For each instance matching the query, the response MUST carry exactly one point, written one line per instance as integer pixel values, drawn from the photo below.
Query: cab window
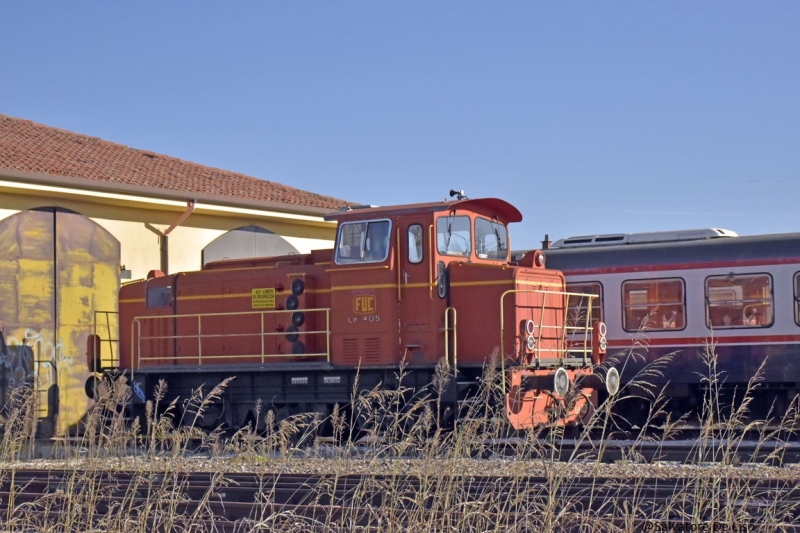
(159, 296)
(739, 301)
(453, 235)
(491, 239)
(415, 246)
(580, 306)
(654, 305)
(363, 242)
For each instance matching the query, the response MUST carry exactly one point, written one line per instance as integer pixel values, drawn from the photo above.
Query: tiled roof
(30, 147)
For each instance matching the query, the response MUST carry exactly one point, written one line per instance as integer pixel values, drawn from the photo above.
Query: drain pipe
(190, 205)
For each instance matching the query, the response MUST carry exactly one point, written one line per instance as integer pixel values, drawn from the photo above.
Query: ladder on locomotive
(107, 330)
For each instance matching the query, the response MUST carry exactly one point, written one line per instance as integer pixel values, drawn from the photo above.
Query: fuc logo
(364, 303)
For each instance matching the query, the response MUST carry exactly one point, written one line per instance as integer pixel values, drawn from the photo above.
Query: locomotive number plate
(263, 298)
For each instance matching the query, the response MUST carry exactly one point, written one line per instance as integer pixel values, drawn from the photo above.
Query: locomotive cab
(390, 279)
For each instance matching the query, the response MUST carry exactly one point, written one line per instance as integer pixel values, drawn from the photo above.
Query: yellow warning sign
(263, 298)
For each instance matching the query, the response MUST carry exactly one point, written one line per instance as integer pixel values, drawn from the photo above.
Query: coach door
(417, 341)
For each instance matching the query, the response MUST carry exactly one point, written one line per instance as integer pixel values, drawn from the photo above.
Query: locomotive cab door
(415, 293)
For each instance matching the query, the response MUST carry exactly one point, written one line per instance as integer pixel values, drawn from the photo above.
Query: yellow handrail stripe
(380, 286)
(230, 313)
(357, 287)
(430, 260)
(339, 269)
(237, 295)
(226, 269)
(509, 282)
(397, 265)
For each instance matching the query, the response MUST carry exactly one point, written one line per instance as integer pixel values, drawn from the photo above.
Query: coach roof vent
(643, 238)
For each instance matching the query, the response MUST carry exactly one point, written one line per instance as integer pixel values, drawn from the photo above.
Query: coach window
(363, 242)
(415, 246)
(579, 303)
(797, 298)
(453, 235)
(739, 301)
(491, 239)
(654, 305)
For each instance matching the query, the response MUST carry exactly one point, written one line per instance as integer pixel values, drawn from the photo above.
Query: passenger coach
(677, 292)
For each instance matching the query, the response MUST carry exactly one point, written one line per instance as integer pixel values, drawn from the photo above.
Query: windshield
(453, 236)
(491, 239)
(363, 242)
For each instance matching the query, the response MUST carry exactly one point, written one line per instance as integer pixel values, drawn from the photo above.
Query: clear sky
(590, 117)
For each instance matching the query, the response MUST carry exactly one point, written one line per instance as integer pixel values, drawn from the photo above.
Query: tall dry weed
(402, 435)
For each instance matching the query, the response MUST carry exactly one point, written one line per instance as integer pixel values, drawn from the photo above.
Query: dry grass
(399, 436)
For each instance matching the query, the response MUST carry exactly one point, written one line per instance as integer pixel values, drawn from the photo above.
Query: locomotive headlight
(561, 382)
(528, 330)
(612, 381)
(530, 327)
(599, 342)
(530, 343)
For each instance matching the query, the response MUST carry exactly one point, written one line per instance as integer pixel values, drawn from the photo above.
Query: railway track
(688, 449)
(683, 451)
(238, 502)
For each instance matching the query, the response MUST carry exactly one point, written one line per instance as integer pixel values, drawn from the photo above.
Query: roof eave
(168, 194)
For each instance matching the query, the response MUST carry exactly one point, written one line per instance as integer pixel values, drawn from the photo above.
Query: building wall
(137, 228)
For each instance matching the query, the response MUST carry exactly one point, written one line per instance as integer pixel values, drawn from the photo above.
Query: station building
(79, 216)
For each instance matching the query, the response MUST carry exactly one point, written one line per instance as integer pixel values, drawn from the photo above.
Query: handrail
(137, 338)
(430, 262)
(338, 269)
(563, 350)
(397, 263)
(447, 338)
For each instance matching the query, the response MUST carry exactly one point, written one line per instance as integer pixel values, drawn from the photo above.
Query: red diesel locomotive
(407, 286)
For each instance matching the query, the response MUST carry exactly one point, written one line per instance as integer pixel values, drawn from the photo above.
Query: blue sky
(590, 117)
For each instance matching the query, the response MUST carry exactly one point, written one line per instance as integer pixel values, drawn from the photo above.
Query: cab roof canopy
(488, 207)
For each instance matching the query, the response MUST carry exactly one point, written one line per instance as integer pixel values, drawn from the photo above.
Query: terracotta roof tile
(30, 147)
